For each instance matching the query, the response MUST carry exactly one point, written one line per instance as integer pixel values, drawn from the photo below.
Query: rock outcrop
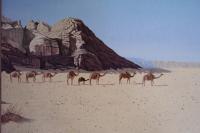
(43, 46)
(12, 33)
(32, 25)
(89, 52)
(68, 43)
(43, 28)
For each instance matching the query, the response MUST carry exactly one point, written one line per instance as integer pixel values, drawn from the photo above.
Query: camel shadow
(106, 84)
(92, 84)
(161, 85)
(153, 85)
(4, 102)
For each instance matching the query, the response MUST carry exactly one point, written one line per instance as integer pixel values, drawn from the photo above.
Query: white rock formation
(42, 45)
(31, 25)
(43, 28)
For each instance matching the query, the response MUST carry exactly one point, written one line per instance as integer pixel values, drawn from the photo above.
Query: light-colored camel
(127, 76)
(31, 74)
(150, 77)
(48, 75)
(15, 74)
(96, 76)
(82, 79)
(71, 75)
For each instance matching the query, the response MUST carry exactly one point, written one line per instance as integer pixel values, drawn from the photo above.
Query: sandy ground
(172, 106)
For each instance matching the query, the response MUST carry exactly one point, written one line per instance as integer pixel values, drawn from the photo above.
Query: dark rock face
(6, 65)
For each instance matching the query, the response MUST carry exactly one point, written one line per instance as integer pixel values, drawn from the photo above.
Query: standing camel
(127, 76)
(82, 79)
(150, 77)
(31, 74)
(96, 76)
(16, 74)
(48, 75)
(71, 75)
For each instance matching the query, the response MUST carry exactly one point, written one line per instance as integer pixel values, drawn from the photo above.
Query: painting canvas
(91, 66)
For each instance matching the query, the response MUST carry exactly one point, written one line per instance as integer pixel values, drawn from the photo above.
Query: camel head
(159, 76)
(133, 74)
(77, 73)
(55, 73)
(103, 74)
(20, 73)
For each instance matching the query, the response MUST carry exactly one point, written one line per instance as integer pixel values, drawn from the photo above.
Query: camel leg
(27, 80)
(151, 83)
(119, 80)
(143, 83)
(71, 81)
(34, 79)
(11, 79)
(67, 81)
(90, 81)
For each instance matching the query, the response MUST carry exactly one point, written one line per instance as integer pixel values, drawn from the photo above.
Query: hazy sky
(149, 29)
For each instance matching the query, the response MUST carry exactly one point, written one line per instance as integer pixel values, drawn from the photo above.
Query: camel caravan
(71, 75)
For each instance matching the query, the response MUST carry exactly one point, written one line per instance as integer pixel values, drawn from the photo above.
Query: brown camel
(82, 79)
(150, 77)
(31, 74)
(71, 75)
(48, 75)
(126, 75)
(16, 74)
(96, 76)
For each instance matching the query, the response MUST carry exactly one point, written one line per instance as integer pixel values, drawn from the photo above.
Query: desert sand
(171, 106)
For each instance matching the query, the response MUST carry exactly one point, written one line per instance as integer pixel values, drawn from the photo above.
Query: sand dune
(171, 106)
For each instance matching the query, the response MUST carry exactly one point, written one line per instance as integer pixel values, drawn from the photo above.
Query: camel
(48, 75)
(71, 75)
(16, 74)
(31, 74)
(96, 76)
(82, 79)
(126, 75)
(150, 77)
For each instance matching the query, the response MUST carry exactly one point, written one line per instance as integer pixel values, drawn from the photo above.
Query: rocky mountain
(69, 43)
(143, 62)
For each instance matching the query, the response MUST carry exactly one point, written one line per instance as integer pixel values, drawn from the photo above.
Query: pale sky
(149, 29)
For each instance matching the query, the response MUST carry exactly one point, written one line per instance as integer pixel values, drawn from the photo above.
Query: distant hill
(148, 64)
(142, 62)
(176, 64)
